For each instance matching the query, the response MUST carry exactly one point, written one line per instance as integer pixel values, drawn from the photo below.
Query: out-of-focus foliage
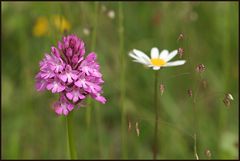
(31, 130)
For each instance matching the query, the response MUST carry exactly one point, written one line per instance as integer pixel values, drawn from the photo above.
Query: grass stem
(122, 80)
(93, 45)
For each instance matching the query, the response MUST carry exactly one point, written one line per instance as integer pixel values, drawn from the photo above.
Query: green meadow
(123, 128)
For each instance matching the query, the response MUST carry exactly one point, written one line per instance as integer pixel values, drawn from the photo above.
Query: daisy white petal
(156, 68)
(141, 62)
(138, 59)
(175, 63)
(141, 55)
(131, 54)
(171, 55)
(154, 53)
(164, 54)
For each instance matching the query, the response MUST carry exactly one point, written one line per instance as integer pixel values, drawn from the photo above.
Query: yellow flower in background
(41, 27)
(61, 23)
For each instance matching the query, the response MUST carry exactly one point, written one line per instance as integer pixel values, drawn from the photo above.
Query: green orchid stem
(156, 95)
(70, 140)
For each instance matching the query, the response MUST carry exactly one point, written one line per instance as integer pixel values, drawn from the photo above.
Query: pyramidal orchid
(65, 71)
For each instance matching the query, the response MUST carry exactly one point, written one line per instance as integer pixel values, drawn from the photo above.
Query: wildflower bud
(86, 31)
(190, 92)
(227, 102)
(137, 129)
(162, 88)
(180, 52)
(69, 52)
(55, 52)
(75, 59)
(60, 45)
(229, 96)
(111, 14)
(200, 68)
(208, 153)
(66, 44)
(180, 37)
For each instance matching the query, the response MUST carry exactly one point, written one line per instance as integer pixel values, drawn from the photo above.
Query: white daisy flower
(157, 60)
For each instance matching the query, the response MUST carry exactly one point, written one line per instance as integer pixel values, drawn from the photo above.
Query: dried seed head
(189, 92)
(227, 102)
(137, 129)
(180, 52)
(200, 68)
(229, 96)
(111, 14)
(162, 87)
(208, 153)
(180, 37)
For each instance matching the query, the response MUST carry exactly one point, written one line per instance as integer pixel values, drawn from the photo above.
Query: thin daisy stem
(70, 140)
(156, 95)
(122, 79)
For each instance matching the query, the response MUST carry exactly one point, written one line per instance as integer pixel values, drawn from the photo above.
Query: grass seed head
(200, 68)
(181, 36)
(180, 52)
(190, 93)
(137, 129)
(227, 102)
(162, 88)
(229, 96)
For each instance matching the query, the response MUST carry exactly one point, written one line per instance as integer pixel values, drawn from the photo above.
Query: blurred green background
(30, 128)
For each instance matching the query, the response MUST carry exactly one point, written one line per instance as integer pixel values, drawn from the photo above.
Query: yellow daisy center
(158, 62)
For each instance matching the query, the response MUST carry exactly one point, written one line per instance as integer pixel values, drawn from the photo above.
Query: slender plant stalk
(70, 140)
(195, 146)
(226, 41)
(156, 95)
(90, 102)
(122, 79)
(93, 44)
(98, 124)
(195, 121)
